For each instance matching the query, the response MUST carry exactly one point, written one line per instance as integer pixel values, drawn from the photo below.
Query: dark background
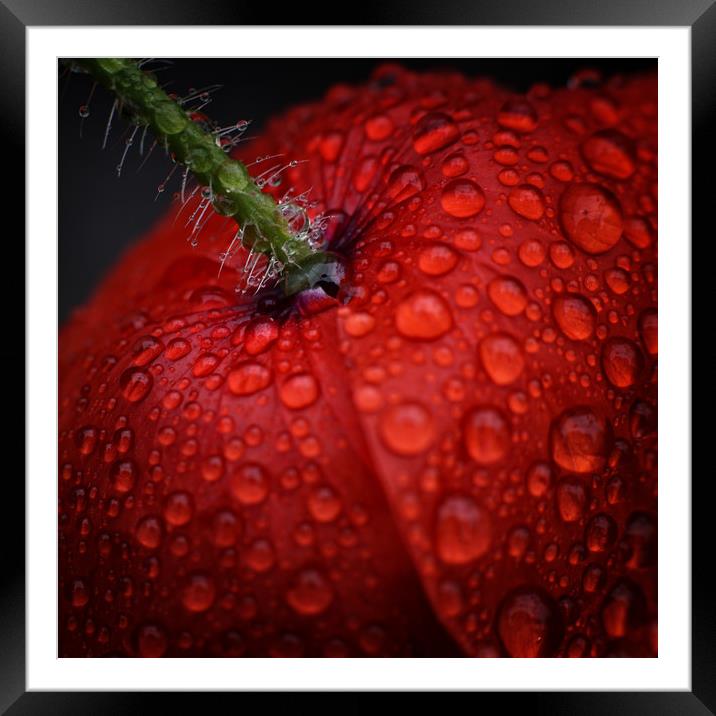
(100, 214)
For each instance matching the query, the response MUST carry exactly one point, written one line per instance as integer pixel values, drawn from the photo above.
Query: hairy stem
(234, 193)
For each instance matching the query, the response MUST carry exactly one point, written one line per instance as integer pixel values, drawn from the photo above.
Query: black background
(100, 214)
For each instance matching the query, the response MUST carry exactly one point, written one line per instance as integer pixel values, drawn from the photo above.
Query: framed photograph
(342, 355)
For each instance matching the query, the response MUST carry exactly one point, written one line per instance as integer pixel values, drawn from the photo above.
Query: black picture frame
(16, 15)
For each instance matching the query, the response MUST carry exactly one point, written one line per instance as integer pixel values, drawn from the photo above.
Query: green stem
(234, 192)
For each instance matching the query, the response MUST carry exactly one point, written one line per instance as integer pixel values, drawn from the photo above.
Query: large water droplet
(407, 428)
(434, 131)
(248, 378)
(123, 475)
(518, 115)
(591, 217)
(463, 530)
(622, 361)
(299, 391)
(310, 593)
(149, 532)
(649, 331)
(501, 358)
(358, 324)
(423, 315)
(378, 127)
(487, 434)
(177, 349)
(571, 498)
(640, 537)
(623, 609)
(462, 198)
(580, 440)
(146, 349)
(260, 335)
(437, 259)
(455, 165)
(528, 624)
(404, 183)
(508, 294)
(178, 508)
(575, 316)
(135, 384)
(526, 201)
(250, 484)
(600, 533)
(637, 232)
(225, 528)
(610, 153)
(324, 504)
(151, 641)
(198, 593)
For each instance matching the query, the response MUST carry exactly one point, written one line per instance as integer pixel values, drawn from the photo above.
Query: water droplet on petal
(518, 115)
(260, 555)
(454, 165)
(407, 428)
(149, 532)
(404, 183)
(248, 378)
(358, 324)
(434, 131)
(462, 198)
(622, 361)
(637, 232)
(423, 315)
(508, 294)
(591, 217)
(531, 252)
(123, 475)
(378, 127)
(146, 350)
(575, 316)
(177, 349)
(437, 259)
(640, 536)
(151, 641)
(463, 530)
(250, 484)
(610, 153)
(571, 498)
(330, 146)
(539, 479)
(135, 384)
(502, 358)
(580, 440)
(528, 624)
(527, 202)
(260, 335)
(324, 504)
(600, 533)
(310, 593)
(649, 331)
(86, 440)
(178, 508)
(225, 528)
(198, 593)
(299, 391)
(487, 434)
(624, 609)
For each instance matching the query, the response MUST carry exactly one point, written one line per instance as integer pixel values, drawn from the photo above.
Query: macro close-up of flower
(379, 381)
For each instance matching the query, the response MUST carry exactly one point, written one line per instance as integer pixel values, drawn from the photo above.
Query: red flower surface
(454, 455)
